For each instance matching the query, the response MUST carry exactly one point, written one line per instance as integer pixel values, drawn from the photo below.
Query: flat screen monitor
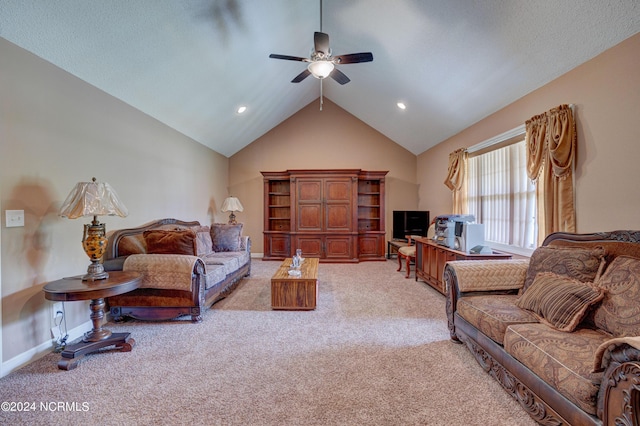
(410, 222)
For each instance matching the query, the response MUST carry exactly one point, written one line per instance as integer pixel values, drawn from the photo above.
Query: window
(501, 196)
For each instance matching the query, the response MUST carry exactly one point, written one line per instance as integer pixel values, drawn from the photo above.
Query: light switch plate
(14, 218)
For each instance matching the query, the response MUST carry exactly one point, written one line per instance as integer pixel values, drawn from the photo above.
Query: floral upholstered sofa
(185, 267)
(559, 331)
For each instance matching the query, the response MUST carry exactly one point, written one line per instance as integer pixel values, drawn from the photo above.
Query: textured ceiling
(192, 63)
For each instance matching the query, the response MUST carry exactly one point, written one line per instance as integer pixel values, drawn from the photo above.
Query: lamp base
(95, 272)
(94, 243)
(232, 219)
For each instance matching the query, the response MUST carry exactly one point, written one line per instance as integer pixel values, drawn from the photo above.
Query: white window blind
(501, 197)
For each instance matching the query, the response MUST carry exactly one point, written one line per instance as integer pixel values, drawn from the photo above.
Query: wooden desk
(72, 289)
(295, 292)
(431, 258)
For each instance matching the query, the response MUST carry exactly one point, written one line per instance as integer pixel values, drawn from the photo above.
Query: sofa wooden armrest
(468, 277)
(620, 387)
(170, 271)
(172, 285)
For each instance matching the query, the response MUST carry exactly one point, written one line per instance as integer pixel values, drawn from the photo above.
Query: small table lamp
(232, 204)
(93, 199)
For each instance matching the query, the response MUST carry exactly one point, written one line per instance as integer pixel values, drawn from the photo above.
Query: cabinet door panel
(309, 208)
(338, 217)
(311, 246)
(309, 190)
(277, 245)
(338, 190)
(310, 217)
(433, 261)
(339, 247)
(338, 204)
(371, 246)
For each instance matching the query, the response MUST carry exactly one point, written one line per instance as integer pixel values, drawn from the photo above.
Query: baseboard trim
(41, 350)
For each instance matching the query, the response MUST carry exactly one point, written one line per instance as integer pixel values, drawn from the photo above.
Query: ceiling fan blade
(304, 74)
(353, 58)
(321, 42)
(339, 76)
(288, 58)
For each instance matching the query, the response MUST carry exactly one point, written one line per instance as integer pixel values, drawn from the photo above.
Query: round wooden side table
(72, 289)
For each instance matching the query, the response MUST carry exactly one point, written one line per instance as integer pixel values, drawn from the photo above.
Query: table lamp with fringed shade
(93, 199)
(232, 204)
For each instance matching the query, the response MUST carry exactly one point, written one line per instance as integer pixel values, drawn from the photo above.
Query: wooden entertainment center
(431, 258)
(335, 215)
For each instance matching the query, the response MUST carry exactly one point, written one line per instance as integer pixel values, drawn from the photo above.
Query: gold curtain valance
(457, 168)
(456, 178)
(551, 151)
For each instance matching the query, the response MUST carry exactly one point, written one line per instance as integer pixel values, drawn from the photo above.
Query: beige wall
(314, 139)
(606, 94)
(57, 130)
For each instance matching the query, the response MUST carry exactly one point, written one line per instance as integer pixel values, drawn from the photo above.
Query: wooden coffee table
(73, 288)
(295, 292)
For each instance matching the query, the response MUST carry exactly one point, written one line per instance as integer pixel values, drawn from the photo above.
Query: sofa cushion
(581, 264)
(226, 237)
(214, 275)
(241, 257)
(493, 314)
(559, 301)
(563, 360)
(160, 241)
(231, 261)
(619, 312)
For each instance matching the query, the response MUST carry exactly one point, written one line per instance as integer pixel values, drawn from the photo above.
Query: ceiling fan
(322, 63)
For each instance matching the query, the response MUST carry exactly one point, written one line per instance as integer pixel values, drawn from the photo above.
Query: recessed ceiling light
(401, 105)
(242, 109)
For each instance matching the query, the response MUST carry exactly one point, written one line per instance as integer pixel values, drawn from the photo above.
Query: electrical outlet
(14, 218)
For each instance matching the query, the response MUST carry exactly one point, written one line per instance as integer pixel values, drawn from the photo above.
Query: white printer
(459, 232)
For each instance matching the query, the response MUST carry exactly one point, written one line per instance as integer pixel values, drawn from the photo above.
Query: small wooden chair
(408, 253)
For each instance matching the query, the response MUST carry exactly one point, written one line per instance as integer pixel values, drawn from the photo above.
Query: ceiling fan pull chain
(320, 95)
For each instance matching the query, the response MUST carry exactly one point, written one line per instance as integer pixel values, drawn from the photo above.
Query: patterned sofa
(559, 331)
(186, 267)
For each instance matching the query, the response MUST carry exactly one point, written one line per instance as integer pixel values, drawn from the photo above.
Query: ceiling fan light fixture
(321, 69)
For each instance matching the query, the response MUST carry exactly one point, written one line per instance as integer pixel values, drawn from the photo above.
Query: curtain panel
(456, 178)
(551, 151)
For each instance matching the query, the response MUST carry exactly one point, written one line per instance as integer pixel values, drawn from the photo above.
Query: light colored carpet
(376, 351)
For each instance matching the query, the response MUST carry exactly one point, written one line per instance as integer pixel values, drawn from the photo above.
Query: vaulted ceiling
(192, 63)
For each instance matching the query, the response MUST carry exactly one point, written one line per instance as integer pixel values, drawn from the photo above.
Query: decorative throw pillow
(226, 237)
(559, 301)
(619, 312)
(204, 244)
(131, 244)
(582, 264)
(170, 242)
